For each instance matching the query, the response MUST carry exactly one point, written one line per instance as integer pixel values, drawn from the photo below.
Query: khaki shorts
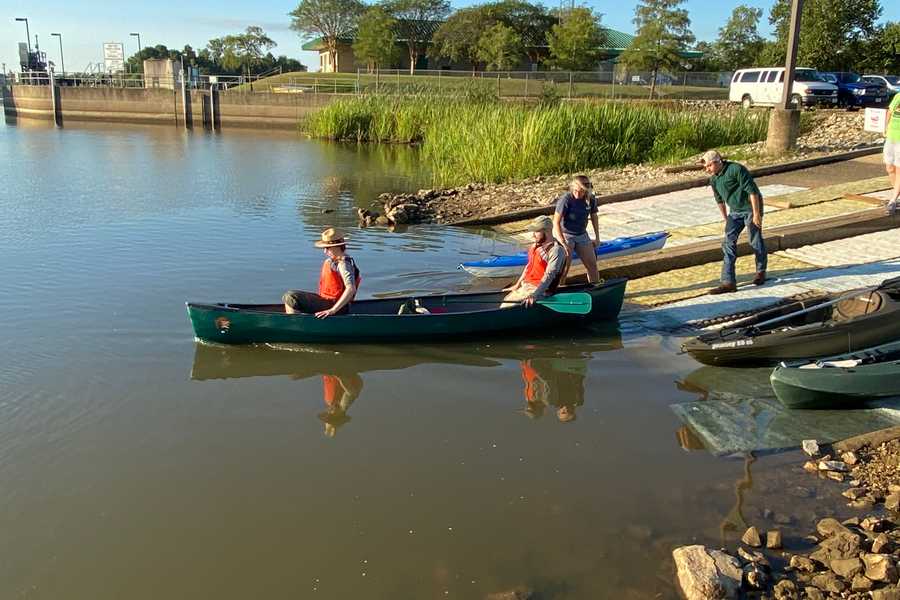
(525, 290)
(892, 153)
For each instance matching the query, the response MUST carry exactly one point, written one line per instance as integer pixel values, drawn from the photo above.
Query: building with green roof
(614, 43)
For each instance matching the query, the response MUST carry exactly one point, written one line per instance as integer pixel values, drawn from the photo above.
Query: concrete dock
(825, 230)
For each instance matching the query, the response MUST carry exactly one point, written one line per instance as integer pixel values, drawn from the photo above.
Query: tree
(881, 52)
(575, 41)
(832, 32)
(376, 42)
(500, 47)
(663, 33)
(246, 50)
(415, 19)
(739, 43)
(332, 20)
(531, 21)
(709, 62)
(457, 37)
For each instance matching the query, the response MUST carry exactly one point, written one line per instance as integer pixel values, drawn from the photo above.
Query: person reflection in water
(557, 382)
(338, 393)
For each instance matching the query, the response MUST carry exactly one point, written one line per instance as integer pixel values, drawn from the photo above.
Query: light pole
(140, 50)
(62, 60)
(27, 33)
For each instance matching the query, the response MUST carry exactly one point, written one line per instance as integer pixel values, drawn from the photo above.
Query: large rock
(881, 544)
(847, 567)
(838, 546)
(786, 590)
(707, 574)
(861, 583)
(828, 527)
(891, 593)
(752, 537)
(880, 567)
(773, 539)
(829, 582)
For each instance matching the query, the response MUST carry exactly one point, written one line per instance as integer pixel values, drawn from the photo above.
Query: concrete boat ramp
(824, 234)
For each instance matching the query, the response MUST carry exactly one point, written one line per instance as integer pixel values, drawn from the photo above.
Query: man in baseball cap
(546, 261)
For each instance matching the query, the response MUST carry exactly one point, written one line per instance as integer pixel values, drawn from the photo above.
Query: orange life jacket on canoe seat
(331, 285)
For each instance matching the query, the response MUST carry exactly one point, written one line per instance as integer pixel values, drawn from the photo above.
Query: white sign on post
(114, 56)
(876, 120)
(635, 79)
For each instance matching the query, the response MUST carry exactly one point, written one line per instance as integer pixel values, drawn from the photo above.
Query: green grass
(512, 86)
(466, 140)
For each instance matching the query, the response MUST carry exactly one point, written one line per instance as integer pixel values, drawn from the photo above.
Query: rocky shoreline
(854, 559)
(832, 132)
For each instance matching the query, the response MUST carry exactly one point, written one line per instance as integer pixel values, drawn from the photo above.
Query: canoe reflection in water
(553, 370)
(557, 382)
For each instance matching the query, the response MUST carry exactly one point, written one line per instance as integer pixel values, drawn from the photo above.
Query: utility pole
(784, 121)
(62, 60)
(140, 50)
(27, 32)
(791, 61)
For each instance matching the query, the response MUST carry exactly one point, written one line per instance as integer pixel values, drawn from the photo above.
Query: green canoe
(844, 381)
(452, 316)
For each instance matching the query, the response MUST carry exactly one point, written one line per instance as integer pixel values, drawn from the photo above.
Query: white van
(763, 87)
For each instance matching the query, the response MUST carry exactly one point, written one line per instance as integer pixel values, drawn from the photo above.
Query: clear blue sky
(86, 24)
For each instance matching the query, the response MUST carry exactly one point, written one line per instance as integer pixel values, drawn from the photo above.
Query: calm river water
(137, 464)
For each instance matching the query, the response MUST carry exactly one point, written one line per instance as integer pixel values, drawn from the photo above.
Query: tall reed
(474, 140)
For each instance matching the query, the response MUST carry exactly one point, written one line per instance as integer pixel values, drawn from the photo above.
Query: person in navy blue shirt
(573, 210)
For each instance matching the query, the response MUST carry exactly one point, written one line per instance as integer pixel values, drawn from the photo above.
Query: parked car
(764, 86)
(891, 82)
(853, 92)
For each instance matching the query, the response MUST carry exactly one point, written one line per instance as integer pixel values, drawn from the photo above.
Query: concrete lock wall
(231, 109)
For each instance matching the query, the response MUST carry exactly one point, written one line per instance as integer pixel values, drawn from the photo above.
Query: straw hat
(332, 237)
(542, 223)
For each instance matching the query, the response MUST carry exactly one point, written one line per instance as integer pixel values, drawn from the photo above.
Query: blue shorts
(573, 240)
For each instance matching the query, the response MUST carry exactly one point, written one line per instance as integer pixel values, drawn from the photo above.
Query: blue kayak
(512, 265)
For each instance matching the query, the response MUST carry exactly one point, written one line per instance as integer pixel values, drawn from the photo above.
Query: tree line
(244, 53)
(836, 34)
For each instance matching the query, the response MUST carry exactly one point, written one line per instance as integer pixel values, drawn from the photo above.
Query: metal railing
(131, 80)
(618, 84)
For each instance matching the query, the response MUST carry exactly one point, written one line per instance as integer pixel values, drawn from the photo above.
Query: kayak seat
(858, 306)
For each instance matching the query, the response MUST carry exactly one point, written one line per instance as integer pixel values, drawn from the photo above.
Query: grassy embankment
(465, 140)
(513, 85)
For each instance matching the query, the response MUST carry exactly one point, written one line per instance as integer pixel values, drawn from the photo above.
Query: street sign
(114, 56)
(876, 120)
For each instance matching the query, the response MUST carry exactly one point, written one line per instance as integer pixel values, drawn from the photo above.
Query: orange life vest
(530, 377)
(331, 390)
(537, 267)
(331, 285)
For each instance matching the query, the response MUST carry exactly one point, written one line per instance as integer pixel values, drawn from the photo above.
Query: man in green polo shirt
(892, 151)
(734, 188)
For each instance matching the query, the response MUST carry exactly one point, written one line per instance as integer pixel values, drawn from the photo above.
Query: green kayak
(845, 381)
(449, 316)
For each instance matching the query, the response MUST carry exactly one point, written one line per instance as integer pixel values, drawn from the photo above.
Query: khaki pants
(516, 296)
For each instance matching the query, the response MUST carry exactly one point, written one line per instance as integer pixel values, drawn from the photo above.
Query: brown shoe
(760, 278)
(725, 288)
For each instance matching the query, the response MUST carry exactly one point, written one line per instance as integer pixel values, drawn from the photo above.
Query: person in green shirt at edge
(733, 186)
(892, 151)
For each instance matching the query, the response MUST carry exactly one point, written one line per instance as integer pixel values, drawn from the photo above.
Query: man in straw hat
(734, 188)
(338, 281)
(546, 261)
